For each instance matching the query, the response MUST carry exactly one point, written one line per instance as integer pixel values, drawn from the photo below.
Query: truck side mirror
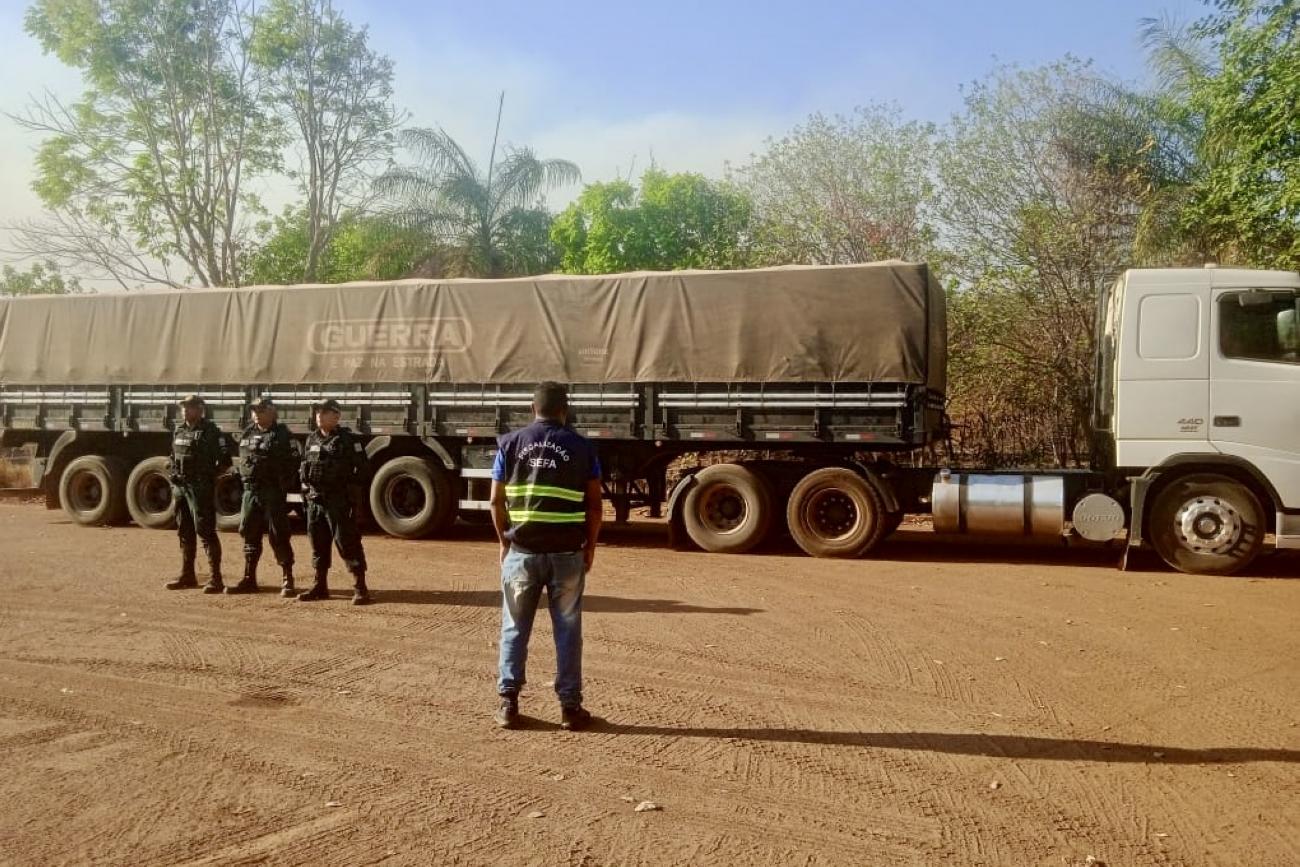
(1288, 329)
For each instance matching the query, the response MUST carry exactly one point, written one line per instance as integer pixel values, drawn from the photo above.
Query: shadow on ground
(590, 602)
(990, 745)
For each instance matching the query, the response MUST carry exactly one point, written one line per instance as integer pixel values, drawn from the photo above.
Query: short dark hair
(551, 399)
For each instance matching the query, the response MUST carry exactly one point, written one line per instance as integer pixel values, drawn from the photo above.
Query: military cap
(263, 403)
(191, 400)
(329, 404)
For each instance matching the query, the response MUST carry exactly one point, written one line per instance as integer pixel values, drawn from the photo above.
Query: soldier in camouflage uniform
(199, 455)
(334, 472)
(268, 469)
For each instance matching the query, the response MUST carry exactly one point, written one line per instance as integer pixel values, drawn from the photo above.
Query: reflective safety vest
(546, 468)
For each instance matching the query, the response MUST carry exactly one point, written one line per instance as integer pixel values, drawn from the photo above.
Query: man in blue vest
(546, 506)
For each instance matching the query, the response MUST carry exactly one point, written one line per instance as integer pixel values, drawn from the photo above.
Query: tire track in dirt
(749, 745)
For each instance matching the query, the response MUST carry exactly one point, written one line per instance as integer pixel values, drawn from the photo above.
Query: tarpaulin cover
(881, 322)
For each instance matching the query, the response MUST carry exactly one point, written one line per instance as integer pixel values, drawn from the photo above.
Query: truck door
(1255, 383)
(1162, 396)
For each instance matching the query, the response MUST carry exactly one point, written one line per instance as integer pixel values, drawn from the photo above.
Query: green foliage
(844, 189)
(43, 278)
(1248, 199)
(1035, 226)
(490, 223)
(674, 221)
(337, 91)
(157, 153)
(361, 248)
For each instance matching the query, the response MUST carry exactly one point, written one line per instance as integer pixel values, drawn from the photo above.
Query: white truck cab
(1199, 393)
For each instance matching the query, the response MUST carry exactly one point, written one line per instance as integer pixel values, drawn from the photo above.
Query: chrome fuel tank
(998, 504)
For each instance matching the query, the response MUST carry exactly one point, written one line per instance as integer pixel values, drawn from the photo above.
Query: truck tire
(834, 512)
(412, 498)
(149, 494)
(230, 501)
(1207, 524)
(92, 490)
(729, 509)
(893, 520)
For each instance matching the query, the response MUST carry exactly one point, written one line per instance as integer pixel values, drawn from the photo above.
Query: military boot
(319, 589)
(360, 594)
(186, 579)
(215, 584)
(286, 583)
(247, 584)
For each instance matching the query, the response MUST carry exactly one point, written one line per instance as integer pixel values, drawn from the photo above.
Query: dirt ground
(947, 703)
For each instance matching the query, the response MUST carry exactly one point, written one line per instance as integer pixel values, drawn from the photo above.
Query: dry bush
(15, 473)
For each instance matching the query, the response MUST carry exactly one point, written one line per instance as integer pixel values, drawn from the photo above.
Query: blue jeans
(523, 577)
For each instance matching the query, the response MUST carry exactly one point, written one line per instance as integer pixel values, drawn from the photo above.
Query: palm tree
(1152, 140)
(489, 224)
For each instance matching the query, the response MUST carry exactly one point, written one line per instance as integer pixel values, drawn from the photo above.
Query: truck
(737, 404)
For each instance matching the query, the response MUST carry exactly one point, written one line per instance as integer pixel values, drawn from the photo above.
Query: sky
(692, 86)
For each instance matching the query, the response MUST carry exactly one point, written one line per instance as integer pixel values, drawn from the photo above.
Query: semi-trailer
(809, 394)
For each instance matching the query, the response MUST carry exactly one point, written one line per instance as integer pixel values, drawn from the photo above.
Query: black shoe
(247, 585)
(286, 583)
(214, 585)
(574, 719)
(508, 713)
(360, 594)
(184, 582)
(317, 592)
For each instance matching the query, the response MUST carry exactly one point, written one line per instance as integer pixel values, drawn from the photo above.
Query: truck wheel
(230, 501)
(834, 512)
(92, 490)
(1207, 525)
(411, 498)
(893, 520)
(729, 509)
(149, 495)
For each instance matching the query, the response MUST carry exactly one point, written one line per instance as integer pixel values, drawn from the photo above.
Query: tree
(844, 189)
(153, 163)
(1149, 141)
(479, 217)
(338, 93)
(1248, 199)
(362, 247)
(674, 221)
(43, 278)
(1033, 227)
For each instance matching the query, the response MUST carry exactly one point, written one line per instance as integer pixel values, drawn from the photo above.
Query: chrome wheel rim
(1208, 525)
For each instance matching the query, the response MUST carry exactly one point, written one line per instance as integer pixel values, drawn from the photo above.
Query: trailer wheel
(411, 498)
(149, 495)
(729, 509)
(229, 491)
(1207, 525)
(893, 520)
(92, 490)
(834, 512)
